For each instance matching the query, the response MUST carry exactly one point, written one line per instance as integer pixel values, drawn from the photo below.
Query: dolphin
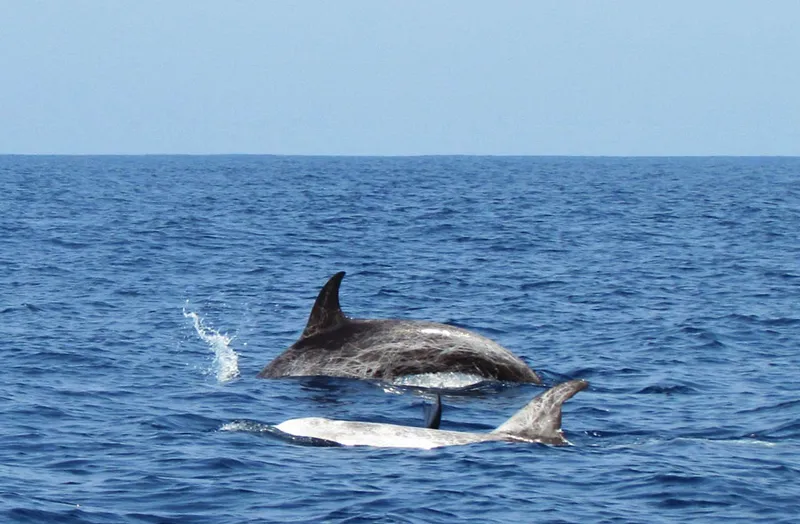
(539, 421)
(333, 344)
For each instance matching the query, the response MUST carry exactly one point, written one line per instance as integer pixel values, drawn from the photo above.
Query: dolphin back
(333, 344)
(540, 419)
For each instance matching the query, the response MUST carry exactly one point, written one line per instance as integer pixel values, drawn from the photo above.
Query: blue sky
(381, 77)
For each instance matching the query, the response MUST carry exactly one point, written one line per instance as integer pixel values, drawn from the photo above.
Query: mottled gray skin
(334, 345)
(539, 421)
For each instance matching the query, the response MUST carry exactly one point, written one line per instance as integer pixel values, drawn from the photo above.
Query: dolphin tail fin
(540, 419)
(326, 312)
(433, 413)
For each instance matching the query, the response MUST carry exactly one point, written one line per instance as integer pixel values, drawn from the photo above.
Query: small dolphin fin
(326, 312)
(540, 420)
(433, 413)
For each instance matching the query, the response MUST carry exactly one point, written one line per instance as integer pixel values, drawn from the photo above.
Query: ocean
(141, 295)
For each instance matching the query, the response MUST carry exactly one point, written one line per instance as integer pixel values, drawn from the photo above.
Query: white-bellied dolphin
(335, 345)
(539, 421)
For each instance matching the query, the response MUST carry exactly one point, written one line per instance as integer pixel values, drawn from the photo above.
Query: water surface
(140, 296)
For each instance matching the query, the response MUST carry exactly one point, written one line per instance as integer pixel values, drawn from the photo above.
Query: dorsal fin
(540, 419)
(433, 413)
(326, 312)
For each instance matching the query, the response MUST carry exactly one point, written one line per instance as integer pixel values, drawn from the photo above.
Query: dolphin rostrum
(539, 421)
(334, 345)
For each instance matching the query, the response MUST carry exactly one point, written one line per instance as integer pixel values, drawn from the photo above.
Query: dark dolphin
(335, 345)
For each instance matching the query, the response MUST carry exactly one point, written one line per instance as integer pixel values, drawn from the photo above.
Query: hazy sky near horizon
(392, 77)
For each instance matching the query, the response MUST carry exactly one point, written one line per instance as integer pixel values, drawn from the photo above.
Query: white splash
(226, 362)
(445, 380)
(753, 442)
(245, 425)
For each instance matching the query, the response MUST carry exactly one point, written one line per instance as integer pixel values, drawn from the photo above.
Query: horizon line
(410, 155)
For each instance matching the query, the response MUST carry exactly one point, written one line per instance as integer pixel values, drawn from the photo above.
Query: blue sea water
(140, 296)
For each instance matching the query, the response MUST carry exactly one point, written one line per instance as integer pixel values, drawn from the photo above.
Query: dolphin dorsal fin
(433, 413)
(540, 420)
(326, 312)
